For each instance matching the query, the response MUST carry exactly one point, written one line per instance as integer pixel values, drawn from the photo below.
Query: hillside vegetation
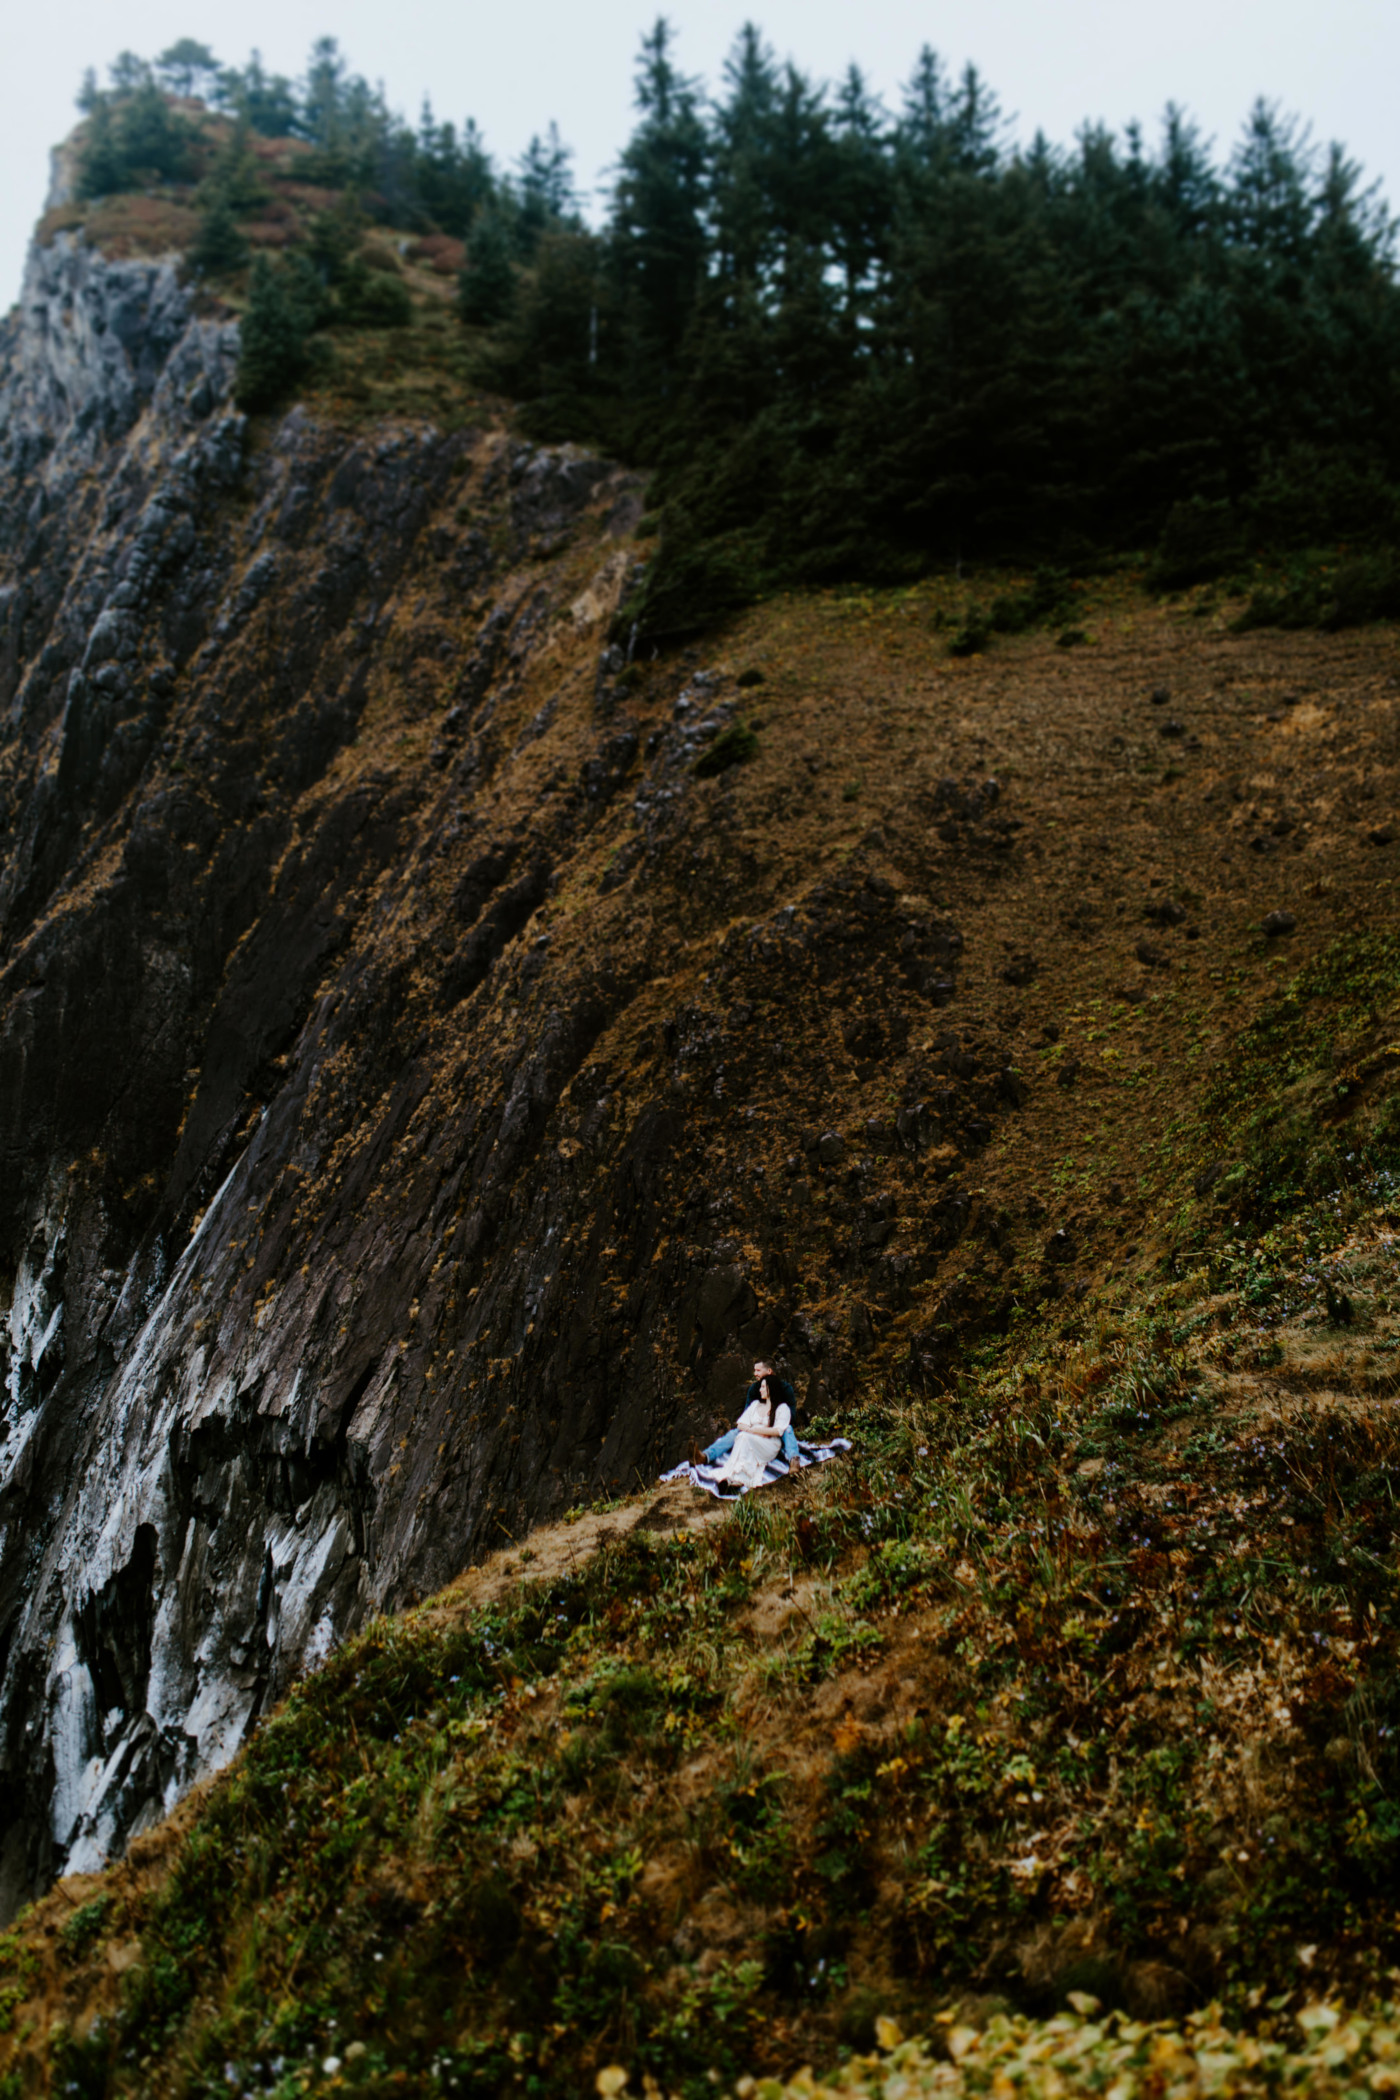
(1075, 1688)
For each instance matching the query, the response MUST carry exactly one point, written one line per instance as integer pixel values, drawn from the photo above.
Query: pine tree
(486, 286)
(265, 101)
(921, 140)
(545, 351)
(218, 248)
(1354, 230)
(154, 139)
(272, 339)
(848, 346)
(323, 95)
(657, 235)
(545, 190)
(101, 166)
(236, 175)
(1183, 181)
(186, 66)
(132, 134)
(454, 177)
(976, 126)
(127, 72)
(1268, 201)
(741, 207)
(368, 298)
(862, 197)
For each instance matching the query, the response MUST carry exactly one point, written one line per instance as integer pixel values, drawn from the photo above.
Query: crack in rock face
(400, 1135)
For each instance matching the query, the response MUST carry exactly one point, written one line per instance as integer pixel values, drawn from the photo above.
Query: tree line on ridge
(855, 344)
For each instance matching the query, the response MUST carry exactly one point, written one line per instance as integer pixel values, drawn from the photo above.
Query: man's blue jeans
(723, 1445)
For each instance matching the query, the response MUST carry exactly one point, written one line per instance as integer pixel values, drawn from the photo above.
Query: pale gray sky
(1052, 62)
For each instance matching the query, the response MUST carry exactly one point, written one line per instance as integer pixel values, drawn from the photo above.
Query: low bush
(734, 746)
(1200, 541)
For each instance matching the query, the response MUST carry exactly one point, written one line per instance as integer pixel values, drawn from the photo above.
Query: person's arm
(782, 1418)
(756, 1421)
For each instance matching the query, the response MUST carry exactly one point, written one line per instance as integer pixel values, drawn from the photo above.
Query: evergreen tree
(976, 127)
(133, 135)
(218, 247)
(454, 175)
(322, 110)
(545, 190)
(272, 348)
(127, 73)
(742, 218)
(235, 176)
(486, 286)
(154, 139)
(1268, 202)
(862, 198)
(367, 298)
(921, 141)
(335, 240)
(187, 66)
(101, 165)
(657, 237)
(266, 102)
(1183, 183)
(547, 351)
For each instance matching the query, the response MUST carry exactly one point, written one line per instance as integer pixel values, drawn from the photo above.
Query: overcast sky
(1053, 63)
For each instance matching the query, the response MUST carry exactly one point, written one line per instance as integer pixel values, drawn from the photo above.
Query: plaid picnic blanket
(707, 1477)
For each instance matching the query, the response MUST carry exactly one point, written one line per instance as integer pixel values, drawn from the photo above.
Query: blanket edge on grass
(707, 1477)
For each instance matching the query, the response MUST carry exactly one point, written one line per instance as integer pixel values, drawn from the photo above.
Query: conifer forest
(854, 343)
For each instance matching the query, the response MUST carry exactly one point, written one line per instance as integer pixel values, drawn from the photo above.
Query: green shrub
(1327, 593)
(734, 746)
(1366, 588)
(82, 1931)
(1311, 497)
(132, 139)
(285, 303)
(1200, 540)
(218, 247)
(1046, 597)
(486, 286)
(973, 636)
(367, 298)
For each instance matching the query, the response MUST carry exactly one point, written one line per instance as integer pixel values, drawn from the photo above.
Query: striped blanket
(707, 1477)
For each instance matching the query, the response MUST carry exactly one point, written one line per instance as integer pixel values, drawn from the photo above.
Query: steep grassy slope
(1071, 1193)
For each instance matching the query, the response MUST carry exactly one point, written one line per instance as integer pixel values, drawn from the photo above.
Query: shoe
(697, 1456)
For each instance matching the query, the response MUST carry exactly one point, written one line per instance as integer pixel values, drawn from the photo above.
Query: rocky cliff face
(359, 1065)
(255, 873)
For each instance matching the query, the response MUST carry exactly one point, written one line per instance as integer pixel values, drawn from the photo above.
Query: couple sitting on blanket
(763, 1432)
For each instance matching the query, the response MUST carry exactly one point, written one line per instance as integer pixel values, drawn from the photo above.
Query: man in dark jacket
(774, 1393)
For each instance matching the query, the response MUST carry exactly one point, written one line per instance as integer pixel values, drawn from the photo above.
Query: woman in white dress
(760, 1438)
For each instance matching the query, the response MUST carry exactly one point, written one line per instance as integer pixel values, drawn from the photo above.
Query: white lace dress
(758, 1441)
